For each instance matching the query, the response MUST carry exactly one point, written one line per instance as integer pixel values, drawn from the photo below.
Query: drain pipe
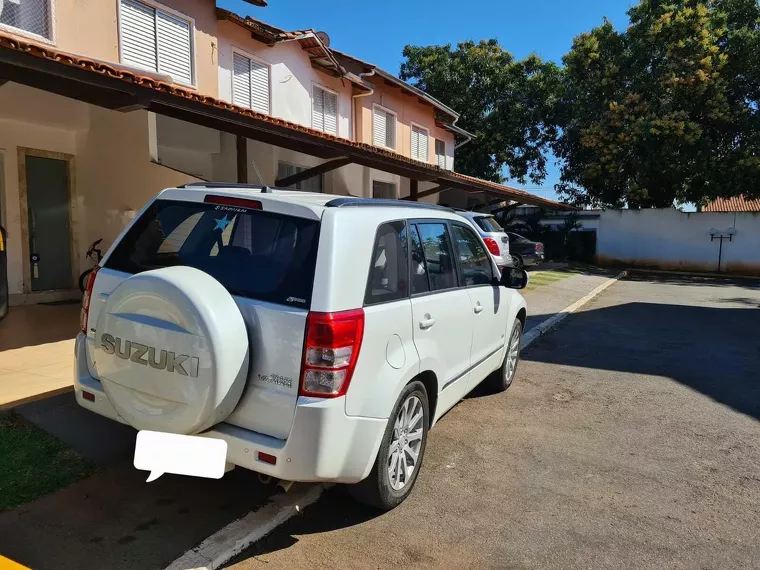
(353, 104)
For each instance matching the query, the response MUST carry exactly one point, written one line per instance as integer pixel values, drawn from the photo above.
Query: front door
(489, 303)
(47, 197)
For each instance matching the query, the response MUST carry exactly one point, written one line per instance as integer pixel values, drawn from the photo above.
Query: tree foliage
(502, 101)
(665, 111)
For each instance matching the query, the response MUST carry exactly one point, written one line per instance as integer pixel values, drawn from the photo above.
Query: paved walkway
(548, 300)
(37, 352)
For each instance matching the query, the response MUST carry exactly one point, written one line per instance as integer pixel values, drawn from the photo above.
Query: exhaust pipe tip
(284, 485)
(265, 479)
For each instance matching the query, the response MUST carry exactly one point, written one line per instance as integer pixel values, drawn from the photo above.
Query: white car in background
(319, 336)
(494, 236)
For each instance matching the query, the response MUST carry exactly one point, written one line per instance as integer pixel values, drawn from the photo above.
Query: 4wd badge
(183, 364)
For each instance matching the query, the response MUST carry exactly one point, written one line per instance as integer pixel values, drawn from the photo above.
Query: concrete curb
(222, 546)
(729, 276)
(540, 330)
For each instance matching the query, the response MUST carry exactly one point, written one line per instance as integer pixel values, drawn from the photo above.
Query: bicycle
(95, 254)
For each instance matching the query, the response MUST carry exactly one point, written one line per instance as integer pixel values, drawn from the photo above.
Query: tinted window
(388, 271)
(515, 237)
(438, 258)
(252, 253)
(420, 283)
(473, 257)
(488, 224)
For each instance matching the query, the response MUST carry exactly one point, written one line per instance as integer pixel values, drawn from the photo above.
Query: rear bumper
(533, 259)
(324, 443)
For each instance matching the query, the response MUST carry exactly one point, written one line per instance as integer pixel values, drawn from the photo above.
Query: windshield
(254, 254)
(488, 224)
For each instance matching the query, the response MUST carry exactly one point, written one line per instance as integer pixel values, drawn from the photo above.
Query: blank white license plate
(160, 453)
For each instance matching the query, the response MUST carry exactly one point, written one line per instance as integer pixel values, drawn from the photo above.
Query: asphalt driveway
(631, 439)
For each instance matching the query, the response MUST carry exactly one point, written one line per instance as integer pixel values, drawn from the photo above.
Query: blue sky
(545, 27)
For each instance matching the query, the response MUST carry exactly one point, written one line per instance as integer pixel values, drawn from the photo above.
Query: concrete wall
(670, 239)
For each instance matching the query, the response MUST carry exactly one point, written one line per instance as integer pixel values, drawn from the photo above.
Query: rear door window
(439, 260)
(389, 270)
(254, 254)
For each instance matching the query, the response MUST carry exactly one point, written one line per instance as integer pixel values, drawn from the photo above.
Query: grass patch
(542, 278)
(33, 462)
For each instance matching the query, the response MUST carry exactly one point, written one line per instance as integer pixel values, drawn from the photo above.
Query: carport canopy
(126, 89)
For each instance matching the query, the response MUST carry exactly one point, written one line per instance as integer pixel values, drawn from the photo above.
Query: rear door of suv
(442, 316)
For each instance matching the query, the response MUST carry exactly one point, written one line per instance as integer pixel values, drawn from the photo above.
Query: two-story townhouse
(105, 102)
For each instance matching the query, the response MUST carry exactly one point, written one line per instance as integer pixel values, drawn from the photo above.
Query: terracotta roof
(735, 204)
(145, 80)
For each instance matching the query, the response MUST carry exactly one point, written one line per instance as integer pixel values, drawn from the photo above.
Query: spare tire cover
(172, 351)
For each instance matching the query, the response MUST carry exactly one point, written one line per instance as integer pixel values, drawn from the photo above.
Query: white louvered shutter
(390, 130)
(318, 109)
(138, 35)
(380, 135)
(440, 153)
(259, 87)
(175, 47)
(331, 112)
(241, 80)
(419, 144)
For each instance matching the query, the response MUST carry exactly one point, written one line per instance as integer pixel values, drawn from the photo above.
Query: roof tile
(734, 204)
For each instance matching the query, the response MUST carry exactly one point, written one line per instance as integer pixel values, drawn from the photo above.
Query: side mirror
(512, 278)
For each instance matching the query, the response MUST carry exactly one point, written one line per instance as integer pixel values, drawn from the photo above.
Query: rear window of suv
(254, 254)
(488, 224)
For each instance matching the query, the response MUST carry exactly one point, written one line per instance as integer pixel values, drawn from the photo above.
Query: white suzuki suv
(319, 336)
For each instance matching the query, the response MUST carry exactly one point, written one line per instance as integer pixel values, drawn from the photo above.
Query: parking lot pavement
(631, 439)
(115, 519)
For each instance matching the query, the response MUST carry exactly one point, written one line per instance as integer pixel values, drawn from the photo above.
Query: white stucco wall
(292, 77)
(670, 239)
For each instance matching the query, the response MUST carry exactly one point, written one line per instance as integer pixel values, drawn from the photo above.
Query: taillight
(492, 246)
(232, 201)
(86, 298)
(330, 352)
(539, 247)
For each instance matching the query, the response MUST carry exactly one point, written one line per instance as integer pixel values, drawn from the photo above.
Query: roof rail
(221, 185)
(377, 202)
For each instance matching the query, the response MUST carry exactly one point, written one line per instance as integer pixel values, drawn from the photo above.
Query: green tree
(502, 101)
(666, 111)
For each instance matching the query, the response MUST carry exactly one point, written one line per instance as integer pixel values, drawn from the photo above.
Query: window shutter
(415, 142)
(318, 109)
(390, 130)
(440, 153)
(175, 51)
(379, 120)
(259, 87)
(422, 153)
(138, 35)
(331, 112)
(241, 80)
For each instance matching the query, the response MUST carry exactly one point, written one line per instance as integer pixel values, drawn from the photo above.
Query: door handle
(427, 322)
(478, 308)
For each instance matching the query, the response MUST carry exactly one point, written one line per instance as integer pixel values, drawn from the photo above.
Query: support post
(242, 160)
(413, 188)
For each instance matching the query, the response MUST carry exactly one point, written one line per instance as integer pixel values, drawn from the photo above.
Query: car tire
(517, 261)
(501, 379)
(380, 490)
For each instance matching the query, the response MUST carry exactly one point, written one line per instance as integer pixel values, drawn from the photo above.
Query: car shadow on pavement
(715, 351)
(692, 280)
(336, 509)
